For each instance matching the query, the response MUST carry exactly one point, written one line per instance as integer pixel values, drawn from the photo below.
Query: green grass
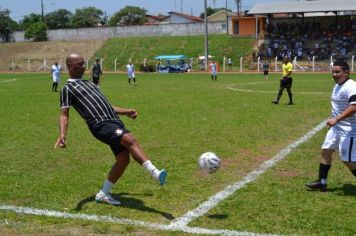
(180, 117)
(139, 48)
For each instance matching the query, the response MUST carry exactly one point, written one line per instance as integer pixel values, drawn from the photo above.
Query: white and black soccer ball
(209, 162)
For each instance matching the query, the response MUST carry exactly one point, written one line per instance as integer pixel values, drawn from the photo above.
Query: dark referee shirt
(87, 99)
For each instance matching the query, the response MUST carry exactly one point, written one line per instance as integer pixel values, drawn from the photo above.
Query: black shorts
(286, 82)
(265, 72)
(110, 133)
(96, 80)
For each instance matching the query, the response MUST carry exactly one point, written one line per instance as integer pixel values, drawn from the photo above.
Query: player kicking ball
(104, 123)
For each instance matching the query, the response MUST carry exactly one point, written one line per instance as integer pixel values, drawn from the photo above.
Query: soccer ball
(209, 162)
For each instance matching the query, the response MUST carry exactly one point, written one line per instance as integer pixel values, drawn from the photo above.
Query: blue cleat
(162, 177)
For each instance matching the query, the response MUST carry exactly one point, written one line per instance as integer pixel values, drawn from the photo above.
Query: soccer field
(47, 191)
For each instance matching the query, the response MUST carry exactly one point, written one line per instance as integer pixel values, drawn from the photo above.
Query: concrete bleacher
(320, 38)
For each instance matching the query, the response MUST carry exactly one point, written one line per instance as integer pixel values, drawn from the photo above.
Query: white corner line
(109, 219)
(214, 200)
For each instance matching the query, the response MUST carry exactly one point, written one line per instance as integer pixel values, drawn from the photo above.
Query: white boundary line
(265, 91)
(229, 190)
(180, 224)
(9, 80)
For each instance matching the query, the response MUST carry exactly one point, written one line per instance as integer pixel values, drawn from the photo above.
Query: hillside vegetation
(122, 49)
(29, 56)
(139, 48)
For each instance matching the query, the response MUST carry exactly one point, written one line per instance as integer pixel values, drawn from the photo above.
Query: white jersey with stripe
(342, 97)
(87, 99)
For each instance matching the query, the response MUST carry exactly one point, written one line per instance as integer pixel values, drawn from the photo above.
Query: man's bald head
(76, 65)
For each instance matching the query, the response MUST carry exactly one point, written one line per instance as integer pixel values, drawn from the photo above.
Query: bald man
(104, 123)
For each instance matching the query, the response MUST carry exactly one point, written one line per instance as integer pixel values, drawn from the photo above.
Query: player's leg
(324, 167)
(289, 90)
(329, 145)
(279, 95)
(351, 166)
(130, 142)
(119, 167)
(290, 96)
(53, 86)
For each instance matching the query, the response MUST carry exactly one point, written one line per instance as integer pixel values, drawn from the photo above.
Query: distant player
(96, 72)
(213, 70)
(56, 76)
(286, 81)
(131, 73)
(265, 67)
(341, 135)
(229, 62)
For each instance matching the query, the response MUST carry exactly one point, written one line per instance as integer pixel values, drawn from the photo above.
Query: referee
(286, 81)
(104, 123)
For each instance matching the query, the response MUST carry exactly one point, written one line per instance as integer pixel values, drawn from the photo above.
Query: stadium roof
(304, 6)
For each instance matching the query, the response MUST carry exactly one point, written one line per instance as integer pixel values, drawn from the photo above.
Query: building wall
(247, 26)
(128, 31)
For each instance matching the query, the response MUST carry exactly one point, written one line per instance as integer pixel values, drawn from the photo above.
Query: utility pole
(181, 6)
(227, 18)
(238, 3)
(42, 10)
(206, 51)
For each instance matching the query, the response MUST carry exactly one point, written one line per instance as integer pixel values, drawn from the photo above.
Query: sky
(20, 8)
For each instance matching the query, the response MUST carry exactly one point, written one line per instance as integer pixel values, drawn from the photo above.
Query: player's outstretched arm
(127, 112)
(63, 126)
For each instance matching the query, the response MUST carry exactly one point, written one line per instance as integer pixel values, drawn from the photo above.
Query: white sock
(323, 181)
(107, 186)
(151, 168)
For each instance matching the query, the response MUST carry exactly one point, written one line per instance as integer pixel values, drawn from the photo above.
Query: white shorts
(56, 79)
(346, 145)
(132, 75)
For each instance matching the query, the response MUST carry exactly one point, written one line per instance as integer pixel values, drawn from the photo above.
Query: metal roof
(170, 57)
(304, 6)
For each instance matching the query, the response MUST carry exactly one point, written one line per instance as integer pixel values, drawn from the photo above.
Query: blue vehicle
(172, 63)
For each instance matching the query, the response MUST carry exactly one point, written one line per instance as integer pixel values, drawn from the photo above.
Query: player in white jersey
(341, 135)
(213, 71)
(131, 73)
(56, 76)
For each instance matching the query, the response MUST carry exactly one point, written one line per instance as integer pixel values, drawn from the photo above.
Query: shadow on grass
(218, 216)
(127, 202)
(344, 190)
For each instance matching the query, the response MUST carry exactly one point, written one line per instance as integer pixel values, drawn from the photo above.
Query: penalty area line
(214, 200)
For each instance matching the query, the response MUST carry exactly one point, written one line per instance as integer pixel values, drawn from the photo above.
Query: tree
(86, 17)
(37, 32)
(59, 19)
(7, 25)
(29, 20)
(129, 15)
(210, 11)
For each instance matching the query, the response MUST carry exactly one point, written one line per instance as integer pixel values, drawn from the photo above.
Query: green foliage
(59, 19)
(86, 17)
(7, 25)
(37, 32)
(139, 48)
(29, 20)
(210, 11)
(129, 15)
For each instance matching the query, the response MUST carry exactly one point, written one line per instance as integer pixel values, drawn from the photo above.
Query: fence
(194, 64)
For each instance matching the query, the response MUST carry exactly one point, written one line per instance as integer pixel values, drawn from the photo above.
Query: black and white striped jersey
(87, 99)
